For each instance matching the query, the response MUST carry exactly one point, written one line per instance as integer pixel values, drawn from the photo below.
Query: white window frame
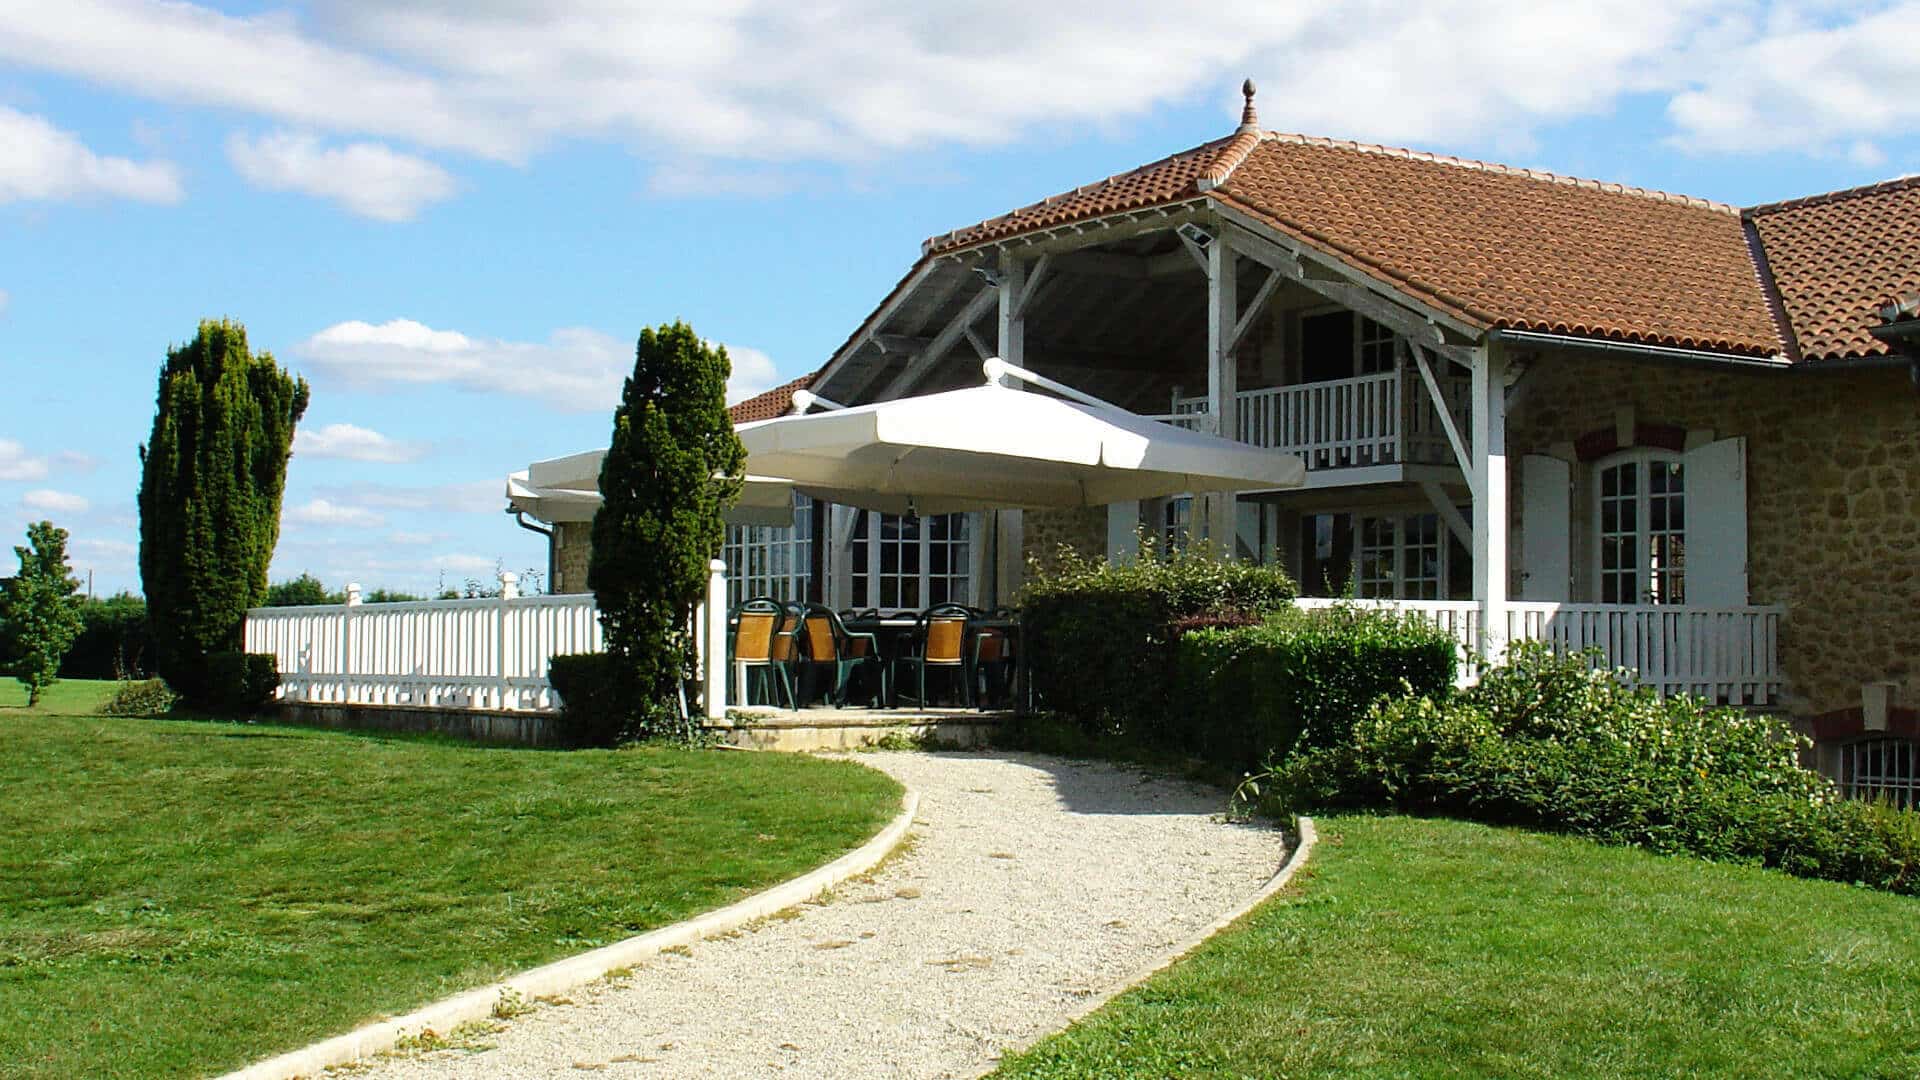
(1403, 552)
(866, 583)
(1657, 579)
(771, 560)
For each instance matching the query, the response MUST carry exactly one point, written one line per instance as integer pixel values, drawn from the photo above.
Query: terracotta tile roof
(1506, 247)
(1838, 258)
(1495, 245)
(765, 406)
(1167, 180)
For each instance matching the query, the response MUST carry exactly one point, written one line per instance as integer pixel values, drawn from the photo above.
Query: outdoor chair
(939, 641)
(993, 664)
(827, 644)
(762, 641)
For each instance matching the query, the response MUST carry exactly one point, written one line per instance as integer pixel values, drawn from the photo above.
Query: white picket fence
(1726, 654)
(488, 653)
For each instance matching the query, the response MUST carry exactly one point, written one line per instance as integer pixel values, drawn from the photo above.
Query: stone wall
(572, 546)
(1833, 499)
(1045, 532)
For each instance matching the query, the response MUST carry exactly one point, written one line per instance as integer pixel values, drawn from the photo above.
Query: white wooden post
(1013, 320)
(348, 665)
(509, 588)
(713, 651)
(1222, 517)
(1490, 520)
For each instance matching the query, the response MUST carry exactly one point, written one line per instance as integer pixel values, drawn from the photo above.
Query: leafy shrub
(1102, 633)
(1301, 678)
(114, 641)
(140, 697)
(595, 701)
(303, 591)
(1547, 743)
(240, 682)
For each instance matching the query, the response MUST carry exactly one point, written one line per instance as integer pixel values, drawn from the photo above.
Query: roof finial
(1249, 119)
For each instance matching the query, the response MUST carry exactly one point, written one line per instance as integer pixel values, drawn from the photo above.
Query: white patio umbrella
(992, 446)
(568, 489)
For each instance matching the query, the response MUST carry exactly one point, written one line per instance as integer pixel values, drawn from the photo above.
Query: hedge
(1299, 679)
(594, 711)
(1546, 742)
(1100, 636)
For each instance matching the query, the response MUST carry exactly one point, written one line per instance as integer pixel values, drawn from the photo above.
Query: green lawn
(179, 897)
(1421, 948)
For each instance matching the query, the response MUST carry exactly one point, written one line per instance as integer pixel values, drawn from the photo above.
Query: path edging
(575, 971)
(1308, 834)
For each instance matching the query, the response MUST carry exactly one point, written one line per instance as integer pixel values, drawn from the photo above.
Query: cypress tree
(673, 467)
(212, 475)
(41, 611)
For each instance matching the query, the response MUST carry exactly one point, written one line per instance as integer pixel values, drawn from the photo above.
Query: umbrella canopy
(991, 446)
(568, 489)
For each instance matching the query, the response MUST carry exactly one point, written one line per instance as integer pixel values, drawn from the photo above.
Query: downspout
(520, 519)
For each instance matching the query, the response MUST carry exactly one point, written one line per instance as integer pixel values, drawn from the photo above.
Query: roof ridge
(928, 245)
(1504, 170)
(1898, 183)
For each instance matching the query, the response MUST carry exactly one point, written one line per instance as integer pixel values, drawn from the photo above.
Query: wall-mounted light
(1195, 235)
(989, 275)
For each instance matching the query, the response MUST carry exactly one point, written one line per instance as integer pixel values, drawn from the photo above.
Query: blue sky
(454, 219)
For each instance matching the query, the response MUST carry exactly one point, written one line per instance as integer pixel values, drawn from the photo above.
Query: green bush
(1546, 742)
(594, 708)
(1301, 678)
(114, 641)
(140, 697)
(240, 683)
(1101, 634)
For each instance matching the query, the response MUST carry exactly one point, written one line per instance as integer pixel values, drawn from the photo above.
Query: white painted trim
(1446, 415)
(563, 975)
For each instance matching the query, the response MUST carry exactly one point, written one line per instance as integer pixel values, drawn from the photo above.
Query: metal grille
(1877, 768)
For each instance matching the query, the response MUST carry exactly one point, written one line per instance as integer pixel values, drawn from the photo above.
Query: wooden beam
(945, 340)
(1254, 307)
(1223, 302)
(874, 321)
(1490, 522)
(1449, 513)
(1194, 249)
(1041, 268)
(1460, 454)
(1012, 326)
(980, 346)
(900, 343)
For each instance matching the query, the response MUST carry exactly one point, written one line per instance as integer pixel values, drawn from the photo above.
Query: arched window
(1881, 767)
(1640, 528)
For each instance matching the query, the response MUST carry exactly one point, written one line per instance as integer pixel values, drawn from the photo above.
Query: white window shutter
(1716, 502)
(1546, 521)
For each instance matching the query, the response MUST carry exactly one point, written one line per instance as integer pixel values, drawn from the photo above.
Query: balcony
(1377, 423)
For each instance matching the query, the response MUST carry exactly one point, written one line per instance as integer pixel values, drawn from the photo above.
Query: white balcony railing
(1726, 654)
(1382, 419)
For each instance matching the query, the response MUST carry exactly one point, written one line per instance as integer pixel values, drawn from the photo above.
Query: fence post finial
(509, 585)
(353, 594)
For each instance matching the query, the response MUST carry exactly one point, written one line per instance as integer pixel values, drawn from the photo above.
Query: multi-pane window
(1176, 524)
(1882, 769)
(1642, 529)
(1343, 344)
(911, 562)
(768, 560)
(1375, 349)
(1401, 558)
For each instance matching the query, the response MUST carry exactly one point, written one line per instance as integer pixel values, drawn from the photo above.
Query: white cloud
(350, 442)
(753, 372)
(41, 162)
(4, 301)
(367, 178)
(17, 464)
(471, 496)
(50, 501)
(852, 82)
(327, 514)
(575, 369)
(1795, 81)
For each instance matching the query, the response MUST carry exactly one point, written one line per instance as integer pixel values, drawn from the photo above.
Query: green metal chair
(940, 640)
(761, 639)
(827, 644)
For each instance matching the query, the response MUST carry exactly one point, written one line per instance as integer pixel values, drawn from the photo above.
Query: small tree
(41, 609)
(212, 476)
(674, 465)
(303, 591)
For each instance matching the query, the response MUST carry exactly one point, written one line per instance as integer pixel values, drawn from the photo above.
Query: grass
(1427, 948)
(182, 897)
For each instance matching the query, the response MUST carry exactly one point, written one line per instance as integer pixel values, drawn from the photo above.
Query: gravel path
(1033, 884)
